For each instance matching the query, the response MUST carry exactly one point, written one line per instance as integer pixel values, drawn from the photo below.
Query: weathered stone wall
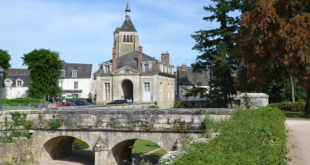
(18, 151)
(253, 100)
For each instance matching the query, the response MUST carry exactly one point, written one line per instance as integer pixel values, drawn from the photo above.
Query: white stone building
(16, 84)
(76, 80)
(133, 75)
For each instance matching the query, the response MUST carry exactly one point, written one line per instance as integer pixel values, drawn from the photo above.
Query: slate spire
(128, 25)
(127, 11)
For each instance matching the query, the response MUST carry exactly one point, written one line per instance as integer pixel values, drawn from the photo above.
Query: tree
(274, 44)
(4, 59)
(216, 47)
(45, 69)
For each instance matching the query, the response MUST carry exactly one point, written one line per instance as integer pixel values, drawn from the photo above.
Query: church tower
(126, 38)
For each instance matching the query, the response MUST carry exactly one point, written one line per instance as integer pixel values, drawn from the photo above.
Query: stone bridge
(111, 133)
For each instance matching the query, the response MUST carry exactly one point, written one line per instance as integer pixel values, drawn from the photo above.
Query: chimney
(183, 66)
(140, 58)
(165, 58)
(114, 62)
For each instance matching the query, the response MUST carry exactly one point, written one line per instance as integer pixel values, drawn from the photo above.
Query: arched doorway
(127, 87)
(65, 149)
(135, 151)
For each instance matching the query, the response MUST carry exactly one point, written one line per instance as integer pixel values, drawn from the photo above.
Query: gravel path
(298, 141)
(81, 157)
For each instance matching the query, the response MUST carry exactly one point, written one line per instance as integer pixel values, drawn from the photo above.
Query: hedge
(290, 106)
(250, 137)
(22, 100)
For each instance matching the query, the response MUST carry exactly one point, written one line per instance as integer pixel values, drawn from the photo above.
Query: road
(298, 141)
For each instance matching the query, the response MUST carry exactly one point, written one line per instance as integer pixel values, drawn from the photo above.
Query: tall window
(146, 67)
(147, 89)
(131, 39)
(76, 84)
(74, 73)
(107, 91)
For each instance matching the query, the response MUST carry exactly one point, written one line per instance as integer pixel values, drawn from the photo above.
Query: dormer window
(8, 83)
(19, 83)
(146, 67)
(107, 68)
(63, 74)
(74, 73)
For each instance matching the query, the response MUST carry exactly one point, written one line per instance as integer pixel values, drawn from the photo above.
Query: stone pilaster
(101, 151)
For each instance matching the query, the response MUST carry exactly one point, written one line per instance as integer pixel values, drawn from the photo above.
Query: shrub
(28, 124)
(79, 144)
(55, 124)
(290, 106)
(22, 100)
(249, 137)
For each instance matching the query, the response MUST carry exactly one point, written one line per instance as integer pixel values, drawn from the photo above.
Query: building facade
(16, 84)
(187, 78)
(133, 75)
(76, 80)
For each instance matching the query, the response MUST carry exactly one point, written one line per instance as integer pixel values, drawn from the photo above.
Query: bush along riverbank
(249, 137)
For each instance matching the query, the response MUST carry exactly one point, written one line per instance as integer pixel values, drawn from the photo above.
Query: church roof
(131, 59)
(127, 26)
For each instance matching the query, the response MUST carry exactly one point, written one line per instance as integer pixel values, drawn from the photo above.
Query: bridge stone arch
(48, 145)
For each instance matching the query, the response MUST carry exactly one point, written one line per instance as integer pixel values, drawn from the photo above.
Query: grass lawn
(143, 146)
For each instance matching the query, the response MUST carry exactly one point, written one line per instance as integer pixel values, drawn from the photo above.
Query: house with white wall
(16, 84)
(76, 80)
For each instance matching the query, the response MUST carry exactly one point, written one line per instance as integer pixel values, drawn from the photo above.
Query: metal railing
(25, 106)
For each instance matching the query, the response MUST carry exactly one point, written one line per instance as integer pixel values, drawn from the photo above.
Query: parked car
(81, 102)
(65, 104)
(118, 102)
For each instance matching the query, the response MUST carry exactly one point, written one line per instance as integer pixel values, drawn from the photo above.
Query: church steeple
(126, 38)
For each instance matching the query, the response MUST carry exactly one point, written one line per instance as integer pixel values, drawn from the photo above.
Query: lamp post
(1, 78)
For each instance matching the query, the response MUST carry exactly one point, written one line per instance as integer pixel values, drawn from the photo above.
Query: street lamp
(1, 78)
(62, 76)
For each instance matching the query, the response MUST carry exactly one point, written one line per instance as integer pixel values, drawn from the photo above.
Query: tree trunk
(292, 88)
(307, 107)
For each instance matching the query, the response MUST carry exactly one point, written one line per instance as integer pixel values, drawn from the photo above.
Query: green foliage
(8, 130)
(290, 106)
(153, 106)
(143, 146)
(55, 124)
(22, 100)
(210, 125)
(249, 137)
(28, 124)
(18, 118)
(216, 52)
(177, 104)
(79, 144)
(5, 59)
(45, 69)
(281, 91)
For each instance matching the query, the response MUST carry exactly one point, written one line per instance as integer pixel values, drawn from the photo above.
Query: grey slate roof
(23, 74)
(83, 70)
(131, 59)
(186, 76)
(127, 26)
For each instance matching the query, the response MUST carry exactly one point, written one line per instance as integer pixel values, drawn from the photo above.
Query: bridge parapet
(137, 120)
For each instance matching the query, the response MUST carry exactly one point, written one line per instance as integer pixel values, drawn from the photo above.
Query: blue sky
(82, 30)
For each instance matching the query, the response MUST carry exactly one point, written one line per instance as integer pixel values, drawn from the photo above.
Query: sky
(81, 31)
